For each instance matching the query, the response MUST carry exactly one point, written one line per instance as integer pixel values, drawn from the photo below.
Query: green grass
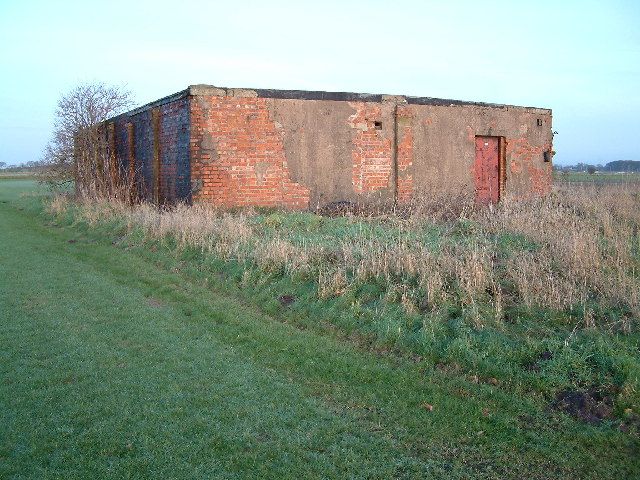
(124, 359)
(16, 176)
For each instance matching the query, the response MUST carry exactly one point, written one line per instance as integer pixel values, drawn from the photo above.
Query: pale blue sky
(582, 59)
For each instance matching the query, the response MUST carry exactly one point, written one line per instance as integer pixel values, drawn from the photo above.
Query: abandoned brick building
(301, 150)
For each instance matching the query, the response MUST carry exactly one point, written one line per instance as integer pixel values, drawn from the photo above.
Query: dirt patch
(631, 424)
(286, 300)
(535, 364)
(338, 209)
(590, 406)
(154, 302)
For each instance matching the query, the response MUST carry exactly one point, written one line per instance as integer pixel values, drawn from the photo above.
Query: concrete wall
(443, 144)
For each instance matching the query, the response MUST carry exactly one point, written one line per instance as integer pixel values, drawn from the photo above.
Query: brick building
(301, 150)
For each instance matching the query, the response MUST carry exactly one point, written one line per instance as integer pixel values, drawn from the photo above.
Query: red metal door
(487, 170)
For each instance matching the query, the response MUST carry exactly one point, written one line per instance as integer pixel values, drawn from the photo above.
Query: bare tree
(79, 147)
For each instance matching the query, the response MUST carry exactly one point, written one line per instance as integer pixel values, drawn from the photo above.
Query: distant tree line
(623, 166)
(617, 166)
(21, 167)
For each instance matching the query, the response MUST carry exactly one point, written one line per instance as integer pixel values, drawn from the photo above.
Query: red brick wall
(237, 155)
(372, 152)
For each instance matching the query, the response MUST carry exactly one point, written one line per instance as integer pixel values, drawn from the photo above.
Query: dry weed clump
(58, 205)
(200, 226)
(97, 210)
(587, 247)
(434, 204)
(576, 250)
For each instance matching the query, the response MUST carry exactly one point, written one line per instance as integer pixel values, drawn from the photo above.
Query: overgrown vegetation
(542, 295)
(598, 178)
(137, 349)
(81, 148)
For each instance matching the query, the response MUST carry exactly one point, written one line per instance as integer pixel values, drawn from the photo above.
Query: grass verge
(126, 356)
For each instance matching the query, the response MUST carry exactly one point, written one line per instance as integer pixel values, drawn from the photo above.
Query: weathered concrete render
(303, 150)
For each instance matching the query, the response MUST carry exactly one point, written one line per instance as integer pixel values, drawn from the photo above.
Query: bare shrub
(79, 149)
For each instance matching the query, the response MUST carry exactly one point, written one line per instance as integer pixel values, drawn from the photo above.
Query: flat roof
(202, 89)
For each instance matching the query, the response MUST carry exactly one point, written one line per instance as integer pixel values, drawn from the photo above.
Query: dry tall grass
(575, 251)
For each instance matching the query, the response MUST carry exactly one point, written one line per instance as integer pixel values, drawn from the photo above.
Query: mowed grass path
(112, 366)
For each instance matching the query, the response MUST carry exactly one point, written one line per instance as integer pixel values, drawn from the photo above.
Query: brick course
(372, 153)
(237, 153)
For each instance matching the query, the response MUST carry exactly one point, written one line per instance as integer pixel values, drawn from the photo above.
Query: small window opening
(539, 122)
(378, 125)
(547, 156)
